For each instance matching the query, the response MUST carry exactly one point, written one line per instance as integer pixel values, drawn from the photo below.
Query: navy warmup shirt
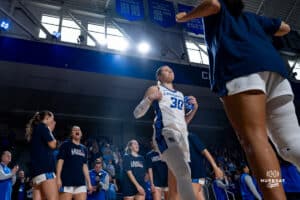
(159, 169)
(74, 156)
(196, 164)
(42, 160)
(138, 168)
(240, 46)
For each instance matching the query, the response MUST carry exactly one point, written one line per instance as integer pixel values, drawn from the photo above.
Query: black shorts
(129, 188)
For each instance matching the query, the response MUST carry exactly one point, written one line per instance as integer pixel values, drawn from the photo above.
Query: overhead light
(56, 34)
(144, 47)
(4, 25)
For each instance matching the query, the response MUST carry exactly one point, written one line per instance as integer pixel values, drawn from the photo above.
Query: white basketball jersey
(171, 107)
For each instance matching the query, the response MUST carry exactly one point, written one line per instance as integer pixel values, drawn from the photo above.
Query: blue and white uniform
(137, 165)
(74, 157)
(6, 182)
(169, 125)
(42, 159)
(159, 169)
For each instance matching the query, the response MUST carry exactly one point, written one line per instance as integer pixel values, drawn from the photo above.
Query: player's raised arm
(151, 95)
(206, 8)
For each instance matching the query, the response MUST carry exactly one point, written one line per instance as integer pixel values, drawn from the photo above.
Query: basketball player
(72, 172)
(251, 78)
(135, 171)
(158, 173)
(198, 151)
(170, 130)
(42, 144)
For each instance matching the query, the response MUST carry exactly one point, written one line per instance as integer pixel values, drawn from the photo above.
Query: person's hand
(218, 173)
(155, 96)
(193, 101)
(90, 188)
(180, 17)
(15, 169)
(58, 182)
(153, 189)
(141, 190)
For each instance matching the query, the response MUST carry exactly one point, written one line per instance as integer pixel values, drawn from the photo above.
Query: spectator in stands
(248, 185)
(220, 186)
(20, 187)
(94, 152)
(100, 181)
(112, 190)
(135, 170)
(42, 143)
(148, 191)
(7, 176)
(291, 180)
(72, 171)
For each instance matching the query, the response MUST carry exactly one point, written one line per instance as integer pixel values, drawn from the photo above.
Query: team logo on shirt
(77, 152)
(155, 159)
(136, 164)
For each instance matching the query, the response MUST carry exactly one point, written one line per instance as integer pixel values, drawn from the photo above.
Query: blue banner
(162, 12)
(196, 25)
(131, 10)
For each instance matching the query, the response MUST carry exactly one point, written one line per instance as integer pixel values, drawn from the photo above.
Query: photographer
(100, 182)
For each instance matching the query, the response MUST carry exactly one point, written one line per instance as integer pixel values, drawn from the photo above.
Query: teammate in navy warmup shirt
(198, 151)
(249, 75)
(158, 174)
(100, 181)
(134, 167)
(42, 143)
(72, 171)
(7, 176)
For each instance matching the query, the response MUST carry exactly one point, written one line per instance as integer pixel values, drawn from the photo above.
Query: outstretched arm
(206, 8)
(151, 94)
(283, 29)
(211, 160)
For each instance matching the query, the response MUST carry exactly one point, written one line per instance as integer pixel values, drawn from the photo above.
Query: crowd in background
(228, 157)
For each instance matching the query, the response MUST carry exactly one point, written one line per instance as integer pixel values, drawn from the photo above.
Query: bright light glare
(144, 47)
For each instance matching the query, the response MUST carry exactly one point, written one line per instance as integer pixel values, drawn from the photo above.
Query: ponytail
(37, 118)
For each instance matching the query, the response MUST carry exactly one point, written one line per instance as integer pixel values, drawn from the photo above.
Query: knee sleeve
(284, 131)
(175, 160)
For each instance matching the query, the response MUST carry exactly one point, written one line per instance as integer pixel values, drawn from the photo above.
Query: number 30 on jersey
(176, 103)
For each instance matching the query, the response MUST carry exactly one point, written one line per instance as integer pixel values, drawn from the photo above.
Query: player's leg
(49, 189)
(157, 194)
(37, 193)
(175, 160)
(196, 188)
(201, 193)
(284, 128)
(247, 114)
(128, 198)
(172, 183)
(139, 197)
(66, 194)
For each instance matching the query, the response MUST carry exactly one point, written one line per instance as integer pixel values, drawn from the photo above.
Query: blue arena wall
(61, 56)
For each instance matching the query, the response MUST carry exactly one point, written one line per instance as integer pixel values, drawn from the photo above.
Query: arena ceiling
(287, 10)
